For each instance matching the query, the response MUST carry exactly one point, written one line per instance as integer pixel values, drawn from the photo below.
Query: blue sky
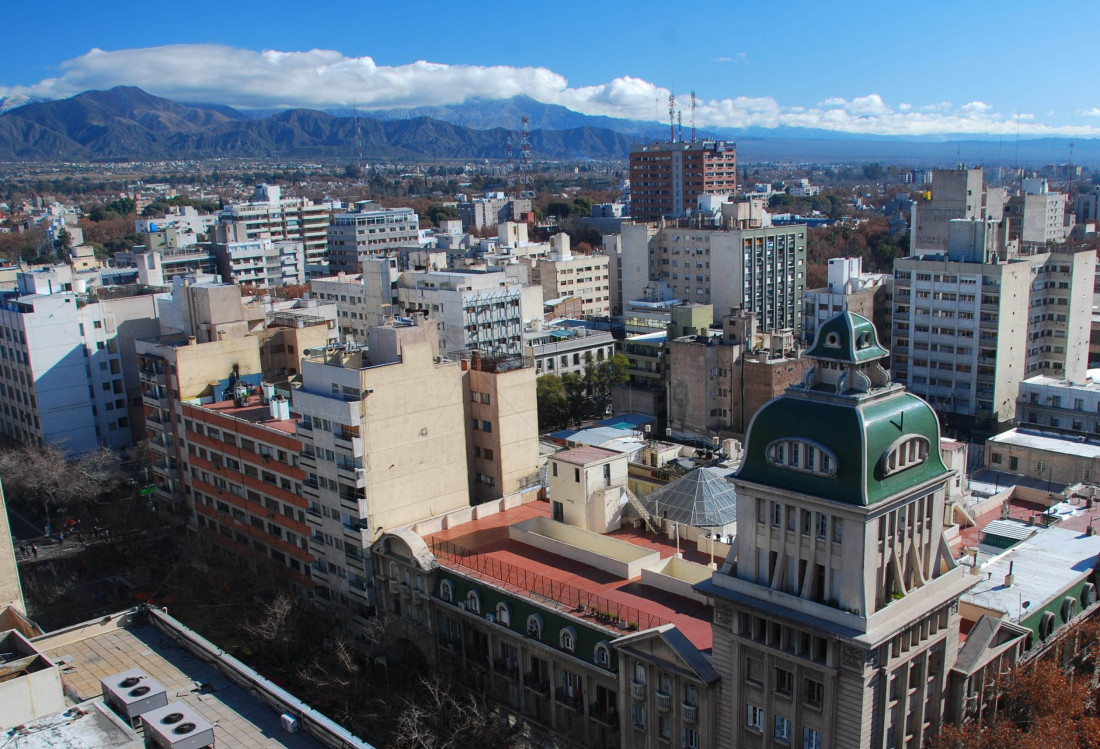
(933, 67)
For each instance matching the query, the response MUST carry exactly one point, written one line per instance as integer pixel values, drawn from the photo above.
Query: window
(784, 681)
(447, 591)
(689, 738)
(567, 639)
(811, 739)
(473, 602)
(504, 614)
(777, 514)
(801, 455)
(822, 526)
(755, 671)
(637, 717)
(906, 452)
(754, 718)
(691, 695)
(782, 730)
(664, 728)
(534, 626)
(813, 692)
(602, 655)
(577, 475)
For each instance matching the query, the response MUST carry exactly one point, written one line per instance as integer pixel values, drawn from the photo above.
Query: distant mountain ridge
(126, 123)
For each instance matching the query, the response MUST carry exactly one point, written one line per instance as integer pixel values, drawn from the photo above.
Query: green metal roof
(858, 433)
(848, 338)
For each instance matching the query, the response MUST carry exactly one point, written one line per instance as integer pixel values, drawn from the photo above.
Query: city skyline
(873, 72)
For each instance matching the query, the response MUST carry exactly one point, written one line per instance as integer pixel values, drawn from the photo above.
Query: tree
(48, 475)
(553, 403)
(600, 378)
(63, 245)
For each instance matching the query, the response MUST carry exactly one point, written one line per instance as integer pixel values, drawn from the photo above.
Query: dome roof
(700, 498)
(866, 449)
(847, 338)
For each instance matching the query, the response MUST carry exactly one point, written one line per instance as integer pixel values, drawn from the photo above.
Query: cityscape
(615, 384)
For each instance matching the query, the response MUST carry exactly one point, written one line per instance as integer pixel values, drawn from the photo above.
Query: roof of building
(847, 338)
(90, 725)
(255, 411)
(699, 498)
(490, 553)
(1037, 441)
(239, 718)
(585, 455)
(859, 434)
(1043, 566)
(1092, 381)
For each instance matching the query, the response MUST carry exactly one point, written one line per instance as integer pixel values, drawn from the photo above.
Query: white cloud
(327, 78)
(1093, 112)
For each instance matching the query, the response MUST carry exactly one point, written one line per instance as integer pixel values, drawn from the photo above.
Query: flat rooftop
(1072, 515)
(1018, 438)
(1043, 566)
(488, 540)
(239, 719)
(255, 411)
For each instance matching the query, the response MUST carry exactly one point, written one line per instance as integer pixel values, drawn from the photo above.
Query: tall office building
(836, 613)
(270, 216)
(666, 179)
(367, 232)
(475, 309)
(750, 266)
(955, 194)
(583, 277)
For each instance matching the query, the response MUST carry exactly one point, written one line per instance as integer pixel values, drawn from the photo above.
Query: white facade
(369, 231)
(362, 299)
(849, 289)
(475, 310)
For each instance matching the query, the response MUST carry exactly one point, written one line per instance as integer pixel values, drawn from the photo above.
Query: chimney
(1010, 578)
(280, 408)
(191, 340)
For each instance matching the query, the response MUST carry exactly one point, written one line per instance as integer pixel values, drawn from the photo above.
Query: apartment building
(482, 213)
(1037, 217)
(362, 299)
(209, 343)
(369, 231)
(561, 350)
(718, 380)
(68, 374)
(666, 179)
(162, 267)
(241, 465)
(849, 290)
(476, 309)
(969, 326)
(1062, 404)
(586, 278)
(761, 269)
(270, 216)
(838, 623)
(261, 262)
(955, 194)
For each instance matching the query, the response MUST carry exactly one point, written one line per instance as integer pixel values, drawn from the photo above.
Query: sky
(930, 68)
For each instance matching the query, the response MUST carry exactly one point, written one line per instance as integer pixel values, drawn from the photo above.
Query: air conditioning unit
(177, 725)
(289, 723)
(132, 693)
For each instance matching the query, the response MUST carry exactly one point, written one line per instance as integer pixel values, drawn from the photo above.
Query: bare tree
(48, 475)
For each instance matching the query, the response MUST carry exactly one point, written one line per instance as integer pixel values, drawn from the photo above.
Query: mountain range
(128, 124)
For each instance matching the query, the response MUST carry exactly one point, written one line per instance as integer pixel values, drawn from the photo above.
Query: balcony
(536, 683)
(637, 691)
(502, 667)
(690, 713)
(605, 714)
(395, 587)
(570, 701)
(664, 702)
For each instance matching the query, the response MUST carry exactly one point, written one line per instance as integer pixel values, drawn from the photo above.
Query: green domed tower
(840, 584)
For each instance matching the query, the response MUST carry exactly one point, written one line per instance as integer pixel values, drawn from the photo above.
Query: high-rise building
(757, 268)
(363, 299)
(836, 613)
(583, 277)
(666, 179)
(367, 232)
(969, 325)
(270, 216)
(476, 309)
(955, 193)
(1037, 217)
(849, 290)
(69, 376)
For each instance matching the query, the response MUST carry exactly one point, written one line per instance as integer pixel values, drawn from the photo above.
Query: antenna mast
(526, 183)
(672, 118)
(693, 116)
(679, 126)
(358, 140)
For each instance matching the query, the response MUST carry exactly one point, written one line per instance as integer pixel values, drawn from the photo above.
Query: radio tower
(511, 160)
(692, 116)
(358, 141)
(679, 126)
(671, 118)
(526, 183)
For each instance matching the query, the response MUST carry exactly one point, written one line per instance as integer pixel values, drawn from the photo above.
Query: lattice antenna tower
(525, 179)
(511, 159)
(692, 116)
(358, 140)
(672, 118)
(679, 126)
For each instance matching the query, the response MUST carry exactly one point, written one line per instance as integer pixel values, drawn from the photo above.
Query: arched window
(473, 602)
(504, 614)
(567, 639)
(393, 570)
(664, 684)
(691, 695)
(801, 455)
(447, 591)
(534, 626)
(906, 452)
(602, 655)
(639, 673)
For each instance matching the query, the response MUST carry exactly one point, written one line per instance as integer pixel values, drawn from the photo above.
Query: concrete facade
(666, 179)
(850, 289)
(475, 309)
(367, 232)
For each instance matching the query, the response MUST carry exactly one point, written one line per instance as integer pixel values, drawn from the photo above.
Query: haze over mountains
(126, 123)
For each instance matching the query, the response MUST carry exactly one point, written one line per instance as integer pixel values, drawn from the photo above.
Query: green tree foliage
(63, 245)
(438, 213)
(828, 205)
(553, 403)
(575, 396)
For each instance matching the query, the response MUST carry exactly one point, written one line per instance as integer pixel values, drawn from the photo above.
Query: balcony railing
(637, 690)
(690, 713)
(664, 702)
(571, 701)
